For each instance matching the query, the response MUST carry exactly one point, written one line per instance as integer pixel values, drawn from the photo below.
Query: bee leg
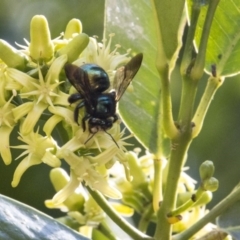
(115, 118)
(76, 111)
(74, 97)
(85, 118)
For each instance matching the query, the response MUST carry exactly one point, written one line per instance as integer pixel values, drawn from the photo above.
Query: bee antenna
(111, 137)
(90, 138)
(106, 133)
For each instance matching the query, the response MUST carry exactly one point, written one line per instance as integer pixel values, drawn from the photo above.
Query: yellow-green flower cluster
(138, 193)
(34, 96)
(79, 205)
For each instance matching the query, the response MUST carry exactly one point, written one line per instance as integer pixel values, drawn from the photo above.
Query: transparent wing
(79, 79)
(124, 75)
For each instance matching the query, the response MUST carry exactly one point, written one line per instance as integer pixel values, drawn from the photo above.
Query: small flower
(6, 116)
(83, 170)
(46, 90)
(3, 81)
(75, 201)
(36, 148)
(42, 92)
(35, 112)
(189, 218)
(6, 155)
(60, 114)
(79, 205)
(101, 54)
(75, 143)
(7, 124)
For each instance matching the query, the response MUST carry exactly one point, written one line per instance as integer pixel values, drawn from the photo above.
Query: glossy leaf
(21, 222)
(133, 25)
(223, 49)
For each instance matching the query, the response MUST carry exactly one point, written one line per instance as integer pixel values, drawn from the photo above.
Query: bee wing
(124, 75)
(79, 79)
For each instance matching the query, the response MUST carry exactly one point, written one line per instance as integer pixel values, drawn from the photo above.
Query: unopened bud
(74, 47)
(211, 184)
(74, 26)
(206, 170)
(11, 56)
(41, 46)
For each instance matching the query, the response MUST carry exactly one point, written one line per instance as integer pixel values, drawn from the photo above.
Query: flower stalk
(122, 223)
(216, 211)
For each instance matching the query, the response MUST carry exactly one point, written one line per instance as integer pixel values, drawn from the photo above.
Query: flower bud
(74, 26)
(206, 170)
(211, 184)
(41, 46)
(11, 57)
(135, 170)
(59, 178)
(74, 47)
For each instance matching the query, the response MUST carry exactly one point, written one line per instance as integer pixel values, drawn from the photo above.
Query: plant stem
(166, 106)
(107, 231)
(166, 14)
(188, 204)
(197, 70)
(181, 136)
(157, 187)
(121, 222)
(189, 89)
(213, 84)
(176, 161)
(188, 48)
(145, 218)
(233, 197)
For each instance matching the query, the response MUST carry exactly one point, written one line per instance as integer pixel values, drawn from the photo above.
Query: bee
(92, 82)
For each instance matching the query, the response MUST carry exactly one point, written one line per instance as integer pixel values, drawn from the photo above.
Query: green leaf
(19, 221)
(133, 24)
(223, 49)
(170, 22)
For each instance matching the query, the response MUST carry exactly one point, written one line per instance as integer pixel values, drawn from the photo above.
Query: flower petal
(64, 193)
(21, 168)
(50, 159)
(61, 99)
(51, 124)
(4, 146)
(56, 67)
(22, 110)
(123, 209)
(32, 118)
(20, 77)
